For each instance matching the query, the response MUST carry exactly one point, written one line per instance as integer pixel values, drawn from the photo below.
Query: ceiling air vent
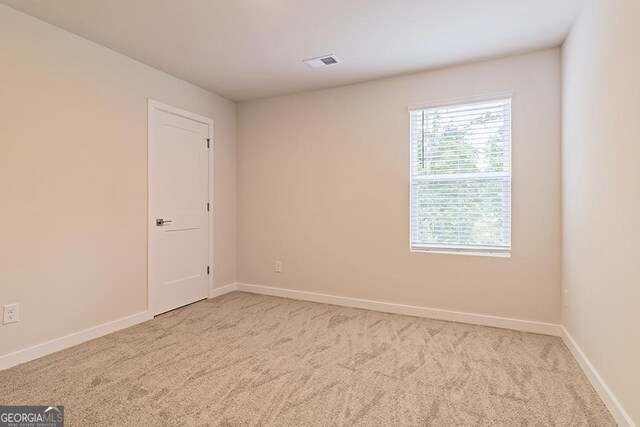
(322, 61)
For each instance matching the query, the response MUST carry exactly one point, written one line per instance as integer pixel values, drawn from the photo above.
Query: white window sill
(442, 251)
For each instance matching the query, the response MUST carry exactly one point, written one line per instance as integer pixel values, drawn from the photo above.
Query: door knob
(160, 222)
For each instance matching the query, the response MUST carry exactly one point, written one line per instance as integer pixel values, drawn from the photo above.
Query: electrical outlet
(278, 266)
(11, 313)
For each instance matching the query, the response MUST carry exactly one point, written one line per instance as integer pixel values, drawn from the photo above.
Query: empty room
(319, 213)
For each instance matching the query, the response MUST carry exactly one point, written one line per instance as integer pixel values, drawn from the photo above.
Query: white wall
(323, 185)
(73, 179)
(601, 194)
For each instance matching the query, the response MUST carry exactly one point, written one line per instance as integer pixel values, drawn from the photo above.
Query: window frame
(473, 250)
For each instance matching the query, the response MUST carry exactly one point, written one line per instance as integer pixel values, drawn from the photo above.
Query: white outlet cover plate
(11, 313)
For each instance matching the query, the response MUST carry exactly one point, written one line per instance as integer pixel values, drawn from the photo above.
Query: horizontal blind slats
(461, 176)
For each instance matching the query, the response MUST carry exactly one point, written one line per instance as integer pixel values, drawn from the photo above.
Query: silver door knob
(160, 222)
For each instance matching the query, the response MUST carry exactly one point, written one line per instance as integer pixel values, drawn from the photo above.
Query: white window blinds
(461, 178)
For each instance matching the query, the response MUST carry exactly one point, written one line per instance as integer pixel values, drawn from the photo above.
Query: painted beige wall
(323, 186)
(73, 179)
(601, 202)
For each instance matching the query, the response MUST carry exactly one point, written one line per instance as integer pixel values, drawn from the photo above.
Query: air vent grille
(329, 60)
(322, 61)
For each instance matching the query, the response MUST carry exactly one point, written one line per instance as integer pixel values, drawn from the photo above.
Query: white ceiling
(246, 49)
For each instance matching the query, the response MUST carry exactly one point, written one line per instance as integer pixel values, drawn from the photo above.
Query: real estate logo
(31, 416)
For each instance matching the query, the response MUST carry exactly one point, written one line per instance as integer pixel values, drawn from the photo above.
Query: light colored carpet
(243, 359)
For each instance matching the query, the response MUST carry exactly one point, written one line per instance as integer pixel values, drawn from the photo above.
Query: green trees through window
(461, 176)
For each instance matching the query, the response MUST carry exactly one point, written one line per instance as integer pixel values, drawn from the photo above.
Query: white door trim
(158, 106)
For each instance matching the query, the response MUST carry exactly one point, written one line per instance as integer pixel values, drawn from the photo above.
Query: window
(461, 178)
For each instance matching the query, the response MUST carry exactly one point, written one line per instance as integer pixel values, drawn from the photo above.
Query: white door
(178, 207)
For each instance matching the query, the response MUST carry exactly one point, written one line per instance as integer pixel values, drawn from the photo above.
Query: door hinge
(207, 206)
(207, 142)
(207, 269)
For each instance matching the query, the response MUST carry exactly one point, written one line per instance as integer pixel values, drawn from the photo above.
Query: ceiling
(247, 49)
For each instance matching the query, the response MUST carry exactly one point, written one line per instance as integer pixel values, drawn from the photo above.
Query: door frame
(153, 107)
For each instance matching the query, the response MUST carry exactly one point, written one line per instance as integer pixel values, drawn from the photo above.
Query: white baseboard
(22, 356)
(608, 398)
(40, 350)
(431, 313)
(216, 292)
(617, 411)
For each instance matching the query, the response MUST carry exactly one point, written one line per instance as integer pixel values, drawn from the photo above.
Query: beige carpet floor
(243, 359)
